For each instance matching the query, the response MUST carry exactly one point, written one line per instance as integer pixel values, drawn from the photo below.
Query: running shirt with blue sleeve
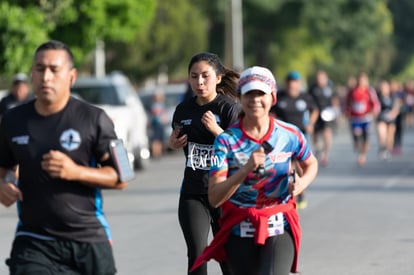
(55, 208)
(233, 148)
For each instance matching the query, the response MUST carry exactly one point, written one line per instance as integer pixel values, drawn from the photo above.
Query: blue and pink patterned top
(233, 148)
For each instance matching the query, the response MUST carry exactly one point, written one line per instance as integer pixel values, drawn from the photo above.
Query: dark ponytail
(229, 77)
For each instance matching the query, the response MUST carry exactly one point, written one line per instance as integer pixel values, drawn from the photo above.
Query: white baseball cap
(257, 78)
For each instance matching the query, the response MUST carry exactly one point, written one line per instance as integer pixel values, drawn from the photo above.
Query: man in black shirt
(297, 108)
(323, 93)
(61, 148)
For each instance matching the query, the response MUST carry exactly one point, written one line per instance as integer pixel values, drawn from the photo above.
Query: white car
(115, 94)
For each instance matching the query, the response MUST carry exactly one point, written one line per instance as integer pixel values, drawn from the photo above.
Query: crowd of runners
(251, 148)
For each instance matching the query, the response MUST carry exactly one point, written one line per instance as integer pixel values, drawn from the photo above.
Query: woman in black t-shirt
(386, 120)
(196, 123)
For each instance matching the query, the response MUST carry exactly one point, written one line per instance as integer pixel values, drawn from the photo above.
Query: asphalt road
(357, 221)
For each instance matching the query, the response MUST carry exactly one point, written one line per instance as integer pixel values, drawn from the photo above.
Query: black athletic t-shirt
(386, 105)
(54, 207)
(322, 96)
(199, 148)
(295, 110)
(9, 101)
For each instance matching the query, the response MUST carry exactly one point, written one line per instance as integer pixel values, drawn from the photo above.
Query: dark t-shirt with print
(200, 141)
(52, 207)
(295, 110)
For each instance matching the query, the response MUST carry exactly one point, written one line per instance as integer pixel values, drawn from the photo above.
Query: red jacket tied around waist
(233, 215)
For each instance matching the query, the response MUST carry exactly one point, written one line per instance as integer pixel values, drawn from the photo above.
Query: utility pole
(234, 35)
(100, 59)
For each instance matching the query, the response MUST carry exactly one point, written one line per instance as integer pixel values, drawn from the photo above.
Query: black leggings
(398, 130)
(196, 216)
(275, 257)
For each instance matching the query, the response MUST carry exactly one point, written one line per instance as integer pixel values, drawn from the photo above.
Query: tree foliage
(358, 35)
(339, 35)
(19, 36)
(145, 37)
(178, 31)
(79, 23)
(106, 20)
(403, 37)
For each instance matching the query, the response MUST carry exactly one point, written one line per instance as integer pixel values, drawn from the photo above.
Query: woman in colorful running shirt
(253, 181)
(196, 122)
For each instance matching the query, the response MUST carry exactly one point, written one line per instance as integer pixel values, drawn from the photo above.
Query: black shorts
(39, 257)
(321, 125)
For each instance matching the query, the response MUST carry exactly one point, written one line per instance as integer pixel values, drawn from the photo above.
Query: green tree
(403, 63)
(339, 35)
(276, 37)
(214, 12)
(79, 23)
(178, 30)
(358, 34)
(106, 20)
(19, 37)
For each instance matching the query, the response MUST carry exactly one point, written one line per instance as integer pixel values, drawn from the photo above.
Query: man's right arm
(9, 192)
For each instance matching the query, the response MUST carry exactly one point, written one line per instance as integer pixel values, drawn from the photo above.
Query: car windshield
(99, 95)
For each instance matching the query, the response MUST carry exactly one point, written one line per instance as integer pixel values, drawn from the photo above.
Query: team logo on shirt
(282, 104)
(301, 105)
(280, 157)
(327, 92)
(241, 158)
(70, 139)
(21, 140)
(186, 121)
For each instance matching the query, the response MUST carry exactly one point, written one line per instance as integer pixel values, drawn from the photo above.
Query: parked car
(174, 94)
(115, 94)
(3, 93)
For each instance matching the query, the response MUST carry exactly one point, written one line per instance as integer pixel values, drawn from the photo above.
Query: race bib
(199, 156)
(359, 107)
(275, 226)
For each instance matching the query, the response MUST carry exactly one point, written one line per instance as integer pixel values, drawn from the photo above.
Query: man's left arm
(60, 165)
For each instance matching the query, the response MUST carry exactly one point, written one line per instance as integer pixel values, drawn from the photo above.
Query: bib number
(199, 156)
(275, 226)
(359, 107)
